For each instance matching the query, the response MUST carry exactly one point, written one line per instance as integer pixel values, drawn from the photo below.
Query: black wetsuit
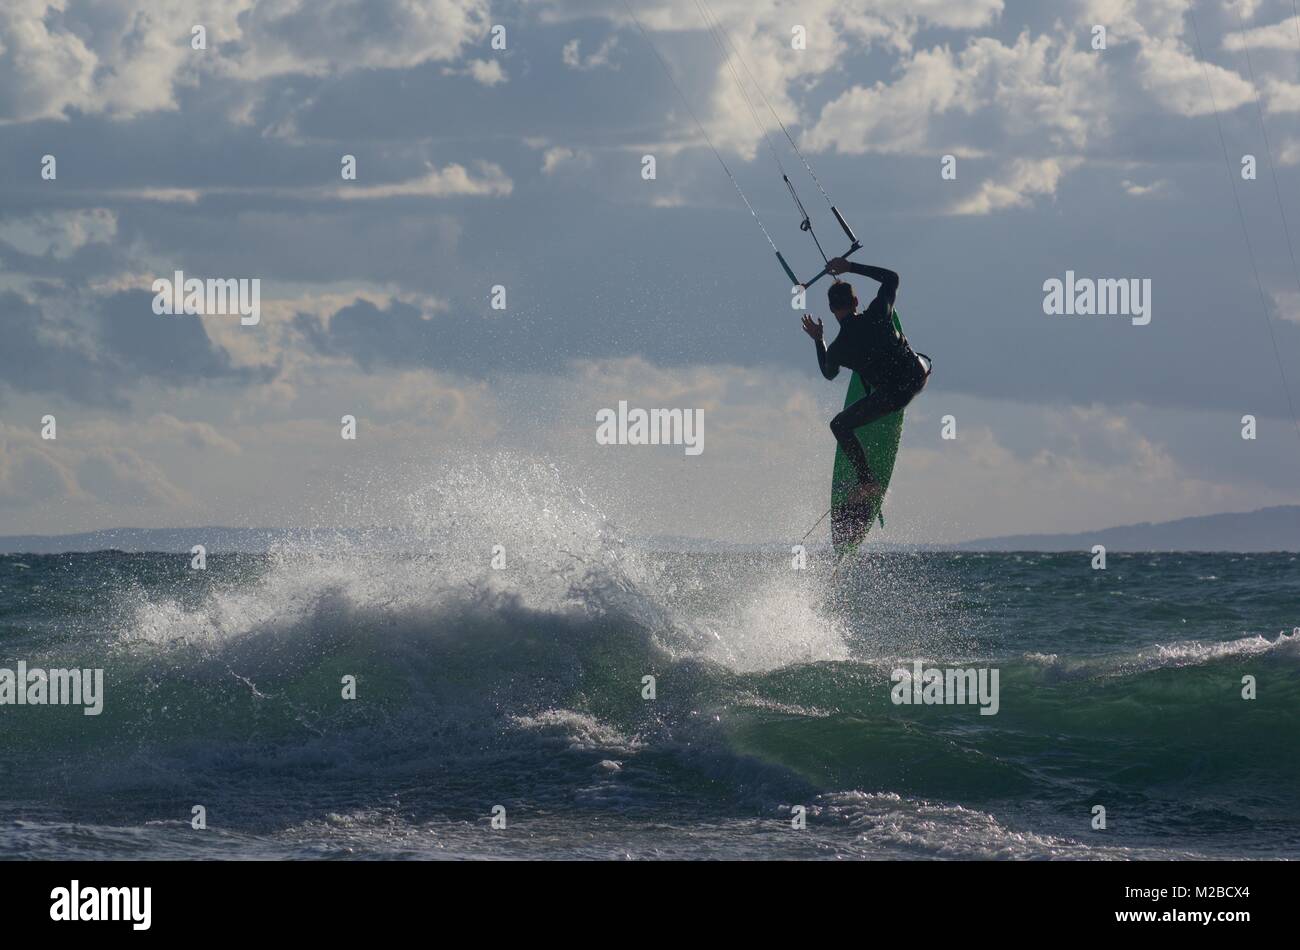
(868, 344)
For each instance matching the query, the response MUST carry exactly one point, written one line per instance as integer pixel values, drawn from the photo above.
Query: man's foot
(864, 494)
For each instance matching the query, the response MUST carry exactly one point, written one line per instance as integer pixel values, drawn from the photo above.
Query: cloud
(43, 356)
(894, 117)
(450, 181)
(555, 157)
(187, 196)
(128, 58)
(970, 15)
(989, 94)
(1016, 189)
(59, 233)
(687, 293)
(29, 475)
(1289, 152)
(1166, 67)
(891, 22)
(44, 67)
(1137, 20)
(758, 37)
(82, 469)
(419, 398)
(1282, 96)
(1286, 304)
(113, 343)
(600, 58)
(120, 476)
(374, 336)
(1177, 80)
(768, 456)
(487, 72)
(1089, 467)
(275, 37)
(1138, 190)
(454, 180)
(164, 427)
(1284, 35)
(173, 349)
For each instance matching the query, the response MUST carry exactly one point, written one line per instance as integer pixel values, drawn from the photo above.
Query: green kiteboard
(880, 440)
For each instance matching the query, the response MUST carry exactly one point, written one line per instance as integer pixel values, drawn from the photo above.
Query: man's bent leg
(868, 409)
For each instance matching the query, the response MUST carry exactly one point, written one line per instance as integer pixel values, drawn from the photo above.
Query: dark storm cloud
(171, 349)
(400, 335)
(552, 317)
(32, 359)
(396, 335)
(92, 260)
(117, 342)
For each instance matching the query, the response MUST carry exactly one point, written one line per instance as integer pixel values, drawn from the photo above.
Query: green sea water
(773, 697)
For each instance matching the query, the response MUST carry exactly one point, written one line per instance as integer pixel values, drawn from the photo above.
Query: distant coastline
(1266, 529)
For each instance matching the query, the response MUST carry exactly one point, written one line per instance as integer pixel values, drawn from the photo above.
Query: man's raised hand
(812, 327)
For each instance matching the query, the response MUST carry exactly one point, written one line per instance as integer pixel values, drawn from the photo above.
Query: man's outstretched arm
(814, 329)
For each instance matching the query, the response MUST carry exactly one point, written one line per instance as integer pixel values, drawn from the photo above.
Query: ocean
(519, 692)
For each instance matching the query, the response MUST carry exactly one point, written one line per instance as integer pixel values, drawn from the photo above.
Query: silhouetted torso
(868, 344)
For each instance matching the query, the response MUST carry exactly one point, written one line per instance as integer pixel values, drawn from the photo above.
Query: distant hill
(1268, 529)
(215, 540)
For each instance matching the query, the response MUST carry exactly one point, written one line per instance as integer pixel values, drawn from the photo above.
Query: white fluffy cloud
(758, 38)
(1134, 20)
(1177, 80)
(126, 57)
(1283, 96)
(1017, 188)
(559, 156)
(573, 58)
(275, 37)
(43, 69)
(1283, 35)
(486, 72)
(1036, 90)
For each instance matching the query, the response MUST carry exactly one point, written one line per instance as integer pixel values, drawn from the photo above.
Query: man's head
(842, 300)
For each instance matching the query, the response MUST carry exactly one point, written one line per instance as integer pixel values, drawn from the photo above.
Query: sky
(481, 167)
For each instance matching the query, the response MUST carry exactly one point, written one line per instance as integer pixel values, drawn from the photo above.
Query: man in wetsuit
(869, 344)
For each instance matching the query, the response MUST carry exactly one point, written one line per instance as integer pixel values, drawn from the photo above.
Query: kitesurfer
(869, 344)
